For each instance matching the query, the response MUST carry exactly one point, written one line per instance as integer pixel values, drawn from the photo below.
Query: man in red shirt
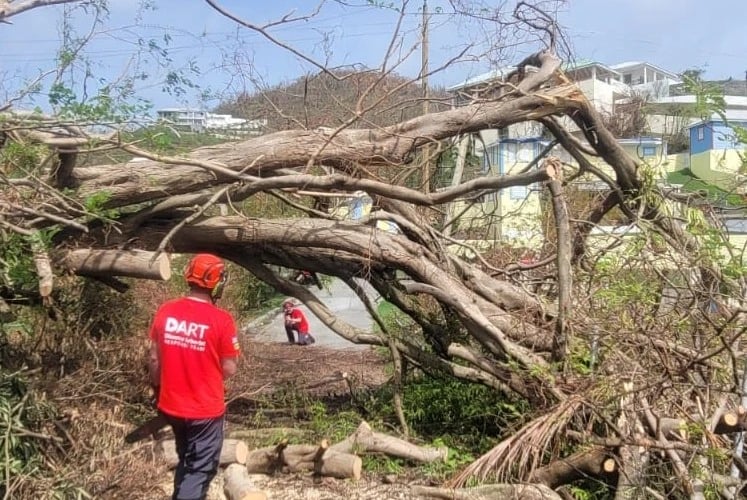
(296, 322)
(193, 349)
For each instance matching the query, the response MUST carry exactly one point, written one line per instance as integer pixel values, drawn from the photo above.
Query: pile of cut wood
(339, 460)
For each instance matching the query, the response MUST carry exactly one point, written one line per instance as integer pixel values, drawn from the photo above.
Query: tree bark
(12, 8)
(489, 492)
(232, 452)
(304, 457)
(463, 144)
(238, 486)
(126, 184)
(131, 263)
(364, 439)
(563, 234)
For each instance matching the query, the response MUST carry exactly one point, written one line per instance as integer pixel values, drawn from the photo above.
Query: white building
(645, 78)
(199, 120)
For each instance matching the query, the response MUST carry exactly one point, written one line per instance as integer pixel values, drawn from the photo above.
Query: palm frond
(516, 456)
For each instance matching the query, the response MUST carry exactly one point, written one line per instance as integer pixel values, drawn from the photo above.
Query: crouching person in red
(193, 349)
(296, 323)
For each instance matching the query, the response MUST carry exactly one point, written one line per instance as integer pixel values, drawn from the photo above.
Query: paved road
(340, 300)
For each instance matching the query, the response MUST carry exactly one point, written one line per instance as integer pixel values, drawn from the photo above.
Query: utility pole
(426, 96)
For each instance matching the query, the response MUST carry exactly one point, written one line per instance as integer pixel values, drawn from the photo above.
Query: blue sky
(674, 34)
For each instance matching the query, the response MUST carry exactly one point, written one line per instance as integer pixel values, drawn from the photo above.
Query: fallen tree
(576, 333)
(341, 459)
(365, 440)
(489, 492)
(304, 458)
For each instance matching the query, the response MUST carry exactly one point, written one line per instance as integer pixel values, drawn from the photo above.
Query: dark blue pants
(303, 338)
(198, 445)
(291, 333)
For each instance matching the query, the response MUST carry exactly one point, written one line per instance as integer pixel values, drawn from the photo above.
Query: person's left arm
(154, 364)
(229, 366)
(154, 357)
(229, 349)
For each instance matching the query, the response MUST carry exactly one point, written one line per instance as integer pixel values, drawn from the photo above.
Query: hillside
(324, 100)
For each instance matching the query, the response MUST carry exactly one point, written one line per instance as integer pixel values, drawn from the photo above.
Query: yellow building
(717, 156)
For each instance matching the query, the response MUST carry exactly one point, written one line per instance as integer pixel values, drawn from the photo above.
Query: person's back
(193, 336)
(193, 349)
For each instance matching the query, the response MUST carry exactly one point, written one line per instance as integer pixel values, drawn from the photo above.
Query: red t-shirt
(303, 326)
(193, 336)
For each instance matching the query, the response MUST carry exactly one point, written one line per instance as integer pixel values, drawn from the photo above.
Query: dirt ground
(303, 371)
(268, 366)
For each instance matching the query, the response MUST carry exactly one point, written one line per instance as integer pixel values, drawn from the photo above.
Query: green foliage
(690, 182)
(455, 461)
(625, 285)
(247, 294)
(462, 414)
(21, 419)
(95, 205)
(334, 427)
(709, 98)
(16, 262)
(581, 358)
(101, 108)
(20, 160)
(590, 490)
(383, 464)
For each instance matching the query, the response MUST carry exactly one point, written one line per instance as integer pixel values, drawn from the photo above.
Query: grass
(690, 182)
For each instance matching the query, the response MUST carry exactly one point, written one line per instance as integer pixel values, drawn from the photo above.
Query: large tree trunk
(304, 457)
(148, 180)
(130, 263)
(232, 452)
(489, 492)
(592, 463)
(364, 440)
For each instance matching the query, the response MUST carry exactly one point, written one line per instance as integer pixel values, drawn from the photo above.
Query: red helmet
(205, 270)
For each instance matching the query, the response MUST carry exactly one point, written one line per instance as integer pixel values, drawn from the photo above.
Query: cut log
(304, 457)
(338, 465)
(594, 462)
(233, 452)
(489, 492)
(732, 421)
(364, 439)
(131, 263)
(238, 486)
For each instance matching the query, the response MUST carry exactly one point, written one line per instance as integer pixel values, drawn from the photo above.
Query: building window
(628, 78)
(649, 151)
(701, 133)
